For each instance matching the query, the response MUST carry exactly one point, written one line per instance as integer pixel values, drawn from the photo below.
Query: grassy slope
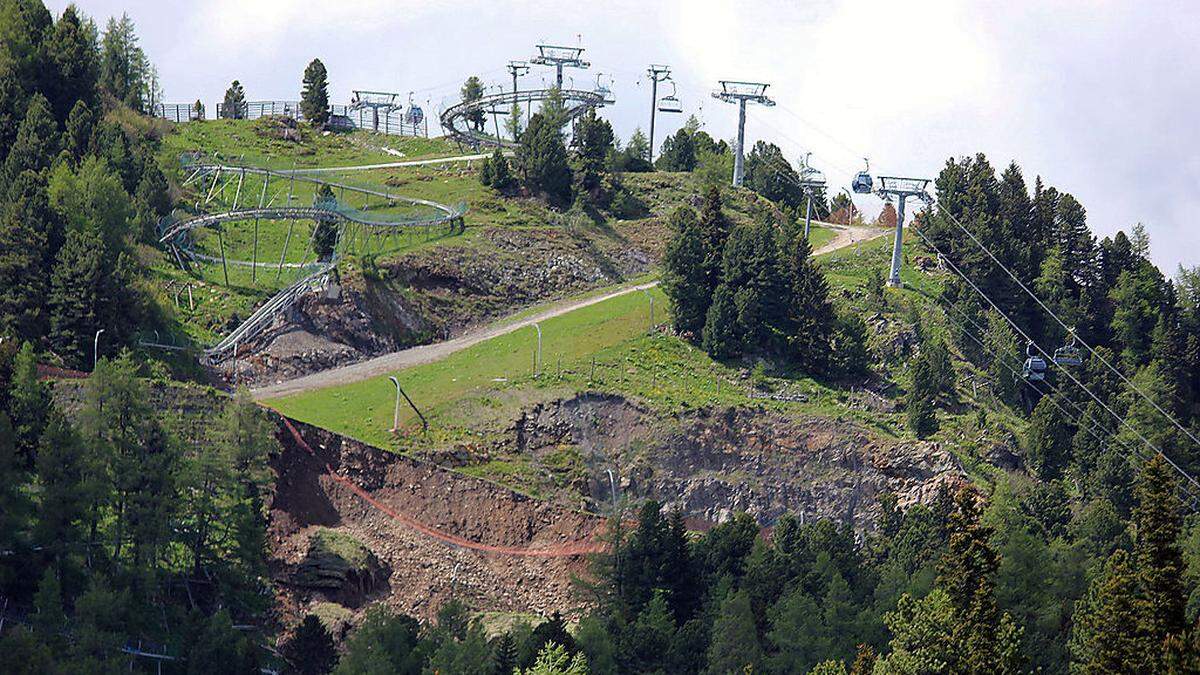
(474, 392)
(218, 304)
(243, 141)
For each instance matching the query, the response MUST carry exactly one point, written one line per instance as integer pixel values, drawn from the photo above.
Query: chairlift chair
(670, 103)
(604, 89)
(1068, 354)
(1035, 366)
(862, 183)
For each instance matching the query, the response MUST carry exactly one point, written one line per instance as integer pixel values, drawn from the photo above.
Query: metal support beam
(733, 91)
(657, 74)
(894, 277)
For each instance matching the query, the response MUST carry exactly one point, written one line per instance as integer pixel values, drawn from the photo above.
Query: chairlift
(1068, 354)
(602, 88)
(862, 183)
(1035, 366)
(415, 115)
(670, 103)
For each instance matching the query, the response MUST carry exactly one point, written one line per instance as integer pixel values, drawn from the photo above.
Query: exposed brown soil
(407, 513)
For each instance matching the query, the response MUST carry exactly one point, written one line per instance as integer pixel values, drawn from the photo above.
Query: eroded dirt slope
(367, 498)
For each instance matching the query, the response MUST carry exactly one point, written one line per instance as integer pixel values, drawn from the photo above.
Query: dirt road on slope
(422, 354)
(415, 356)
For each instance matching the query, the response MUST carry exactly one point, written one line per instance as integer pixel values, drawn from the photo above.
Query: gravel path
(415, 356)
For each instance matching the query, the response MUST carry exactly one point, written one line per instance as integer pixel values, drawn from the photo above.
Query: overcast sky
(1098, 97)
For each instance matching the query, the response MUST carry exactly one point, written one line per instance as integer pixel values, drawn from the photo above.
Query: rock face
(713, 463)
(339, 566)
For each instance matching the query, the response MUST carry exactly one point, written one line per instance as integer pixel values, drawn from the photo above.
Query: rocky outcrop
(714, 462)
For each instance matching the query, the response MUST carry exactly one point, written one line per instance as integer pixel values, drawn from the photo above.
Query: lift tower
(375, 101)
(810, 180)
(902, 188)
(559, 57)
(733, 91)
(517, 69)
(657, 74)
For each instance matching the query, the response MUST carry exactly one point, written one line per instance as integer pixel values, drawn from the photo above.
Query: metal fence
(179, 112)
(393, 123)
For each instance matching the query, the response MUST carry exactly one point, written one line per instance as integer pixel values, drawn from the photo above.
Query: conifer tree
(76, 285)
(314, 97)
(720, 338)
(684, 278)
(543, 157)
(66, 488)
(123, 65)
(678, 153)
(71, 51)
(472, 90)
(234, 105)
(36, 143)
(1109, 634)
(984, 640)
(1004, 357)
(735, 646)
(1048, 440)
(80, 123)
(24, 257)
(809, 314)
(29, 400)
(311, 650)
(1157, 524)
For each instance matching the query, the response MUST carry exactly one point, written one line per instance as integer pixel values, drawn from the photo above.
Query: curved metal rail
(455, 118)
(174, 235)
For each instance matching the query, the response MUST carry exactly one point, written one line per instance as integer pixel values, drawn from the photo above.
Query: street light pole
(537, 356)
(651, 298)
(396, 411)
(96, 349)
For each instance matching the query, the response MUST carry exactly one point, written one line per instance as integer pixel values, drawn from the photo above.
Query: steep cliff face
(712, 463)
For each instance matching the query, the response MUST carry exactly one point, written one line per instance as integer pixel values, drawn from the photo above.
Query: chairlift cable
(1067, 371)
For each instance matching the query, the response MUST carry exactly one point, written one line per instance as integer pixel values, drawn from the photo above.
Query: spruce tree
(24, 255)
(311, 650)
(735, 647)
(71, 51)
(678, 153)
(1109, 633)
(76, 286)
(80, 124)
(66, 485)
(810, 317)
(543, 157)
(314, 97)
(234, 105)
(37, 141)
(1157, 523)
(1048, 440)
(1004, 358)
(720, 338)
(684, 280)
(983, 638)
(29, 400)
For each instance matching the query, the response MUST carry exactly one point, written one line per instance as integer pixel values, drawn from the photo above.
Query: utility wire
(1057, 393)
(1050, 359)
(1069, 330)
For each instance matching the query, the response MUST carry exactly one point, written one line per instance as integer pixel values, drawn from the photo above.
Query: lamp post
(537, 355)
(96, 349)
(651, 298)
(396, 410)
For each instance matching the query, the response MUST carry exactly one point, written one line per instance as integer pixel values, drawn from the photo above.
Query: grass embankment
(472, 394)
(257, 143)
